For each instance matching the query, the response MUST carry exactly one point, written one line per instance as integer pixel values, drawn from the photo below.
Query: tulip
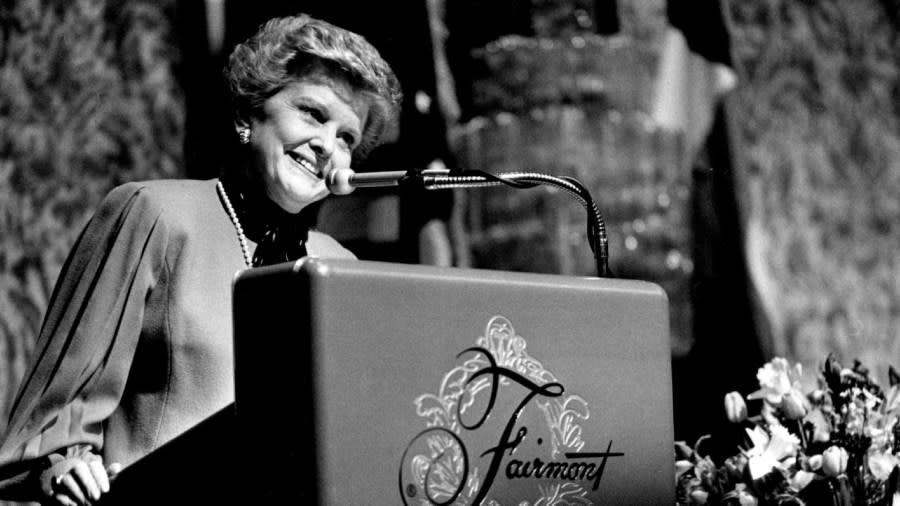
(735, 407)
(794, 405)
(834, 461)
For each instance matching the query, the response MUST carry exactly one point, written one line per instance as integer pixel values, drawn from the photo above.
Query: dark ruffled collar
(279, 235)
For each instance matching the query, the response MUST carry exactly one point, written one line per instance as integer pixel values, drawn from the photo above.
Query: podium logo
(501, 425)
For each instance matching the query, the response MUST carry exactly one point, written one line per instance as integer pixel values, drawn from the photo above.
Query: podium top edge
(323, 268)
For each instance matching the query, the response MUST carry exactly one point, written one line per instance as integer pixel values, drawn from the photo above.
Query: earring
(243, 135)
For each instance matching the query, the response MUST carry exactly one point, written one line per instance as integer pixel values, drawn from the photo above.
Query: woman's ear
(240, 122)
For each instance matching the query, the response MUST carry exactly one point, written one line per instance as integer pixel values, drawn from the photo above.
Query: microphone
(344, 181)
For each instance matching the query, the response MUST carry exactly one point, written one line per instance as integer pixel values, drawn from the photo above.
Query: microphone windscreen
(338, 181)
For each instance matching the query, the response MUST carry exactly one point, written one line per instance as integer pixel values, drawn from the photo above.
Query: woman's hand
(78, 480)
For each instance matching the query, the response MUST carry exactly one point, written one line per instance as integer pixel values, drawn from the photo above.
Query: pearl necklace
(237, 224)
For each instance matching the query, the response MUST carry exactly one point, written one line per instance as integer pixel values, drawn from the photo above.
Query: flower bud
(682, 466)
(735, 466)
(746, 499)
(821, 435)
(817, 396)
(834, 461)
(815, 462)
(793, 405)
(699, 496)
(801, 479)
(735, 407)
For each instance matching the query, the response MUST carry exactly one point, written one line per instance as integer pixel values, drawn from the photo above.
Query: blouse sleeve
(88, 338)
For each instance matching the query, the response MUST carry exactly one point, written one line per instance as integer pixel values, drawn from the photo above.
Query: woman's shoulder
(170, 197)
(167, 191)
(323, 245)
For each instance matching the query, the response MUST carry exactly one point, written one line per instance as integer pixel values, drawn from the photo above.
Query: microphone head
(338, 181)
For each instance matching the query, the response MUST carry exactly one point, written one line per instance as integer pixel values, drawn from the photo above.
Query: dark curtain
(726, 354)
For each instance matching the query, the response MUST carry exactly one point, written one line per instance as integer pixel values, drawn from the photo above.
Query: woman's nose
(323, 142)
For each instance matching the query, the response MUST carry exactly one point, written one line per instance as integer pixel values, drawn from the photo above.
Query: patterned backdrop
(88, 99)
(816, 120)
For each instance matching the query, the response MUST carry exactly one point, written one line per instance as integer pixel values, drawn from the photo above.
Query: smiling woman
(307, 98)
(136, 346)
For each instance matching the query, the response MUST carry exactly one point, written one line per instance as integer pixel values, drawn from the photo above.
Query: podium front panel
(377, 383)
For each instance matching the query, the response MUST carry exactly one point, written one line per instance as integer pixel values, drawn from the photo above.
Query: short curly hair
(286, 49)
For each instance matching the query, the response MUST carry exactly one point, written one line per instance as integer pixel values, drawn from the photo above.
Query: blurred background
(745, 154)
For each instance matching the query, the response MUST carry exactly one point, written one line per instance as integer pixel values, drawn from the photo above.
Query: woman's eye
(349, 139)
(313, 113)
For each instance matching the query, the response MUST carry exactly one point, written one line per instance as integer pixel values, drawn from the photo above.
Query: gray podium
(377, 383)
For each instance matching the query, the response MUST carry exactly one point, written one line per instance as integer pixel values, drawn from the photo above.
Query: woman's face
(302, 133)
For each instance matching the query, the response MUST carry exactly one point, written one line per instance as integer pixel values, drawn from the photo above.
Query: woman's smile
(305, 165)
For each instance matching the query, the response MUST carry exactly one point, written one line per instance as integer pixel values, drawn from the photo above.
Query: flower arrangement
(838, 444)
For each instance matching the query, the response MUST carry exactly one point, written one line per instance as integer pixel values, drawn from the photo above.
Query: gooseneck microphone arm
(344, 181)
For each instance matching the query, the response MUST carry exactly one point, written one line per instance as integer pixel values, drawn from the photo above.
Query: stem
(800, 429)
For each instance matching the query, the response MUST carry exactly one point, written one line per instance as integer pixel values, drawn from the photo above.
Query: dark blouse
(136, 346)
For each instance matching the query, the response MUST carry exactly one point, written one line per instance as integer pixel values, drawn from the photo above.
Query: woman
(136, 345)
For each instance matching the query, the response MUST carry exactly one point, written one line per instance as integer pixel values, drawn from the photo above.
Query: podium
(362, 382)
